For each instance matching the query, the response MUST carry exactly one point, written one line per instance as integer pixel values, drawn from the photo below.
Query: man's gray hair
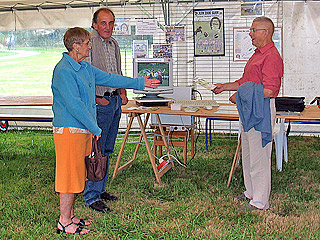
(265, 19)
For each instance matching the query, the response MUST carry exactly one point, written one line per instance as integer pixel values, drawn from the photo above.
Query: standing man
(105, 55)
(266, 67)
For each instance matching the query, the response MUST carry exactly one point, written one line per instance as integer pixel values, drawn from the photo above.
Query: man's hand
(123, 95)
(219, 88)
(267, 92)
(124, 100)
(233, 98)
(152, 83)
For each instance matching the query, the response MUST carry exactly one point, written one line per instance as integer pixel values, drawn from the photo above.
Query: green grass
(6, 53)
(194, 203)
(31, 76)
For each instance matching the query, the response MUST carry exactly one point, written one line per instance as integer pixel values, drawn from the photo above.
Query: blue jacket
(73, 88)
(254, 110)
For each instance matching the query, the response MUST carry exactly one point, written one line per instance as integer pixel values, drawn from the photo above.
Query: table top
(214, 113)
(310, 114)
(26, 101)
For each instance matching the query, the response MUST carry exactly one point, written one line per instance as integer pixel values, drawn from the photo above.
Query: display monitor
(157, 68)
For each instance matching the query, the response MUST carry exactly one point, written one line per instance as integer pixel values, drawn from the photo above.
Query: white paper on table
(227, 109)
(232, 107)
(227, 112)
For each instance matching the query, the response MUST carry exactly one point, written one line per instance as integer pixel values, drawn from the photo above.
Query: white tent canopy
(26, 14)
(9, 5)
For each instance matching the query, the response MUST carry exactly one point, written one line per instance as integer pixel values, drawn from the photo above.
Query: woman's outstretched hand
(152, 83)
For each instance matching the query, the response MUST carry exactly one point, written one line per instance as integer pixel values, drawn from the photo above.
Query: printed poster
(146, 26)
(122, 26)
(140, 49)
(175, 33)
(251, 8)
(162, 50)
(208, 32)
(242, 44)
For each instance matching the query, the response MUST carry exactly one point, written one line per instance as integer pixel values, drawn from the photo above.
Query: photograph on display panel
(162, 50)
(208, 32)
(175, 34)
(140, 49)
(122, 27)
(251, 8)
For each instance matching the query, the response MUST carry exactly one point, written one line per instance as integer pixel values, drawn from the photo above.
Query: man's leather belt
(110, 94)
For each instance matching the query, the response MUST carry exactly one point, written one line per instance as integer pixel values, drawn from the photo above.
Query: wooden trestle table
(134, 113)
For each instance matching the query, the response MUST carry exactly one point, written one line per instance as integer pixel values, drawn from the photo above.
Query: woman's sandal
(77, 231)
(81, 223)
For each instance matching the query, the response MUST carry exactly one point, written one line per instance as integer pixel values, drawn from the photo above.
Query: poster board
(175, 33)
(122, 27)
(146, 26)
(251, 8)
(140, 49)
(208, 32)
(162, 50)
(242, 46)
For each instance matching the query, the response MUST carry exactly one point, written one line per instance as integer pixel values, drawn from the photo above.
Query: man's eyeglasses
(253, 30)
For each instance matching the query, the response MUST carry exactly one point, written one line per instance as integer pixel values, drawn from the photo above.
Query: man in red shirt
(266, 67)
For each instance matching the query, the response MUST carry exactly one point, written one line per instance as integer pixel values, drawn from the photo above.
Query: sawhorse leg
(235, 160)
(144, 136)
(140, 138)
(117, 169)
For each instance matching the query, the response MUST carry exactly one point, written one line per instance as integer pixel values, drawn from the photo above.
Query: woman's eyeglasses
(86, 43)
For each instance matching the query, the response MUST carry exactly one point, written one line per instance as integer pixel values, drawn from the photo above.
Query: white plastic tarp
(58, 18)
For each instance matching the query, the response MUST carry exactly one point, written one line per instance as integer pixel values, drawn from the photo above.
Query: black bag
(96, 163)
(290, 104)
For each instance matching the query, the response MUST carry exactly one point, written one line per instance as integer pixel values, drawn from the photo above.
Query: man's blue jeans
(108, 117)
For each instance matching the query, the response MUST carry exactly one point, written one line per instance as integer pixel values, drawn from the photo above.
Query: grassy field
(31, 75)
(194, 202)
(6, 53)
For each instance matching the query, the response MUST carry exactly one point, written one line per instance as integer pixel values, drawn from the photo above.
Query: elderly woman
(74, 123)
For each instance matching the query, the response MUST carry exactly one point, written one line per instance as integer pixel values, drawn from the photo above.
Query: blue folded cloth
(254, 110)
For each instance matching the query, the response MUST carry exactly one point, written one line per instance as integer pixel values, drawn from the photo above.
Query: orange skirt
(71, 149)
